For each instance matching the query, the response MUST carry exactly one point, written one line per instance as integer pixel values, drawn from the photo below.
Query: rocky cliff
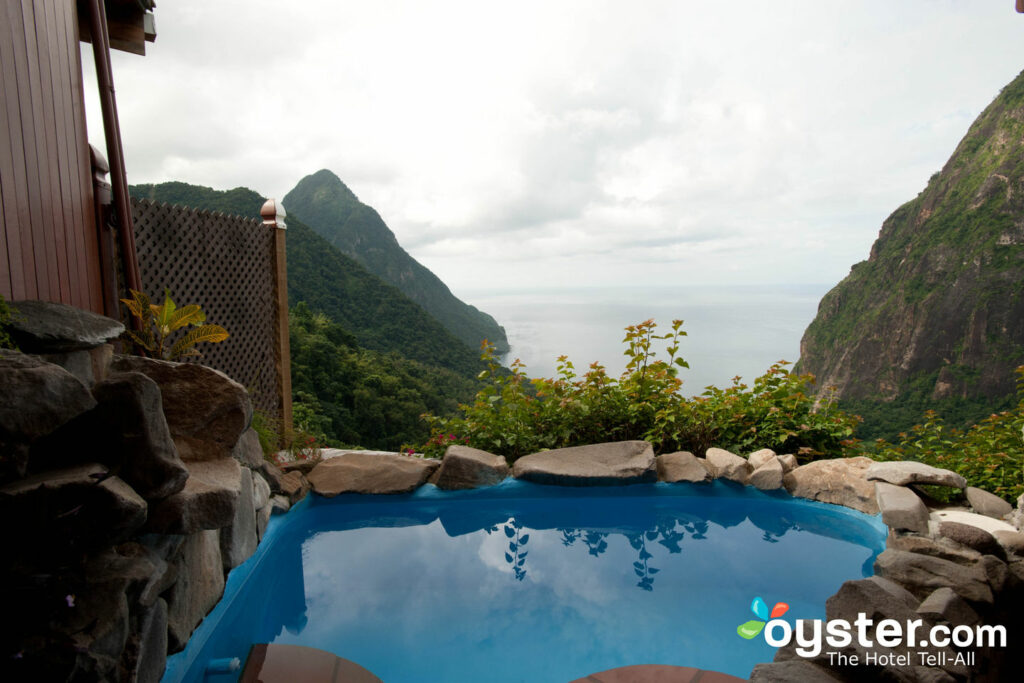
(937, 310)
(324, 203)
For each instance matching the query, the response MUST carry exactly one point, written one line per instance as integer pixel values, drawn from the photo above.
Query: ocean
(731, 330)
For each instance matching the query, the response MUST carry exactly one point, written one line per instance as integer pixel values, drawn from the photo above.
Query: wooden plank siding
(49, 240)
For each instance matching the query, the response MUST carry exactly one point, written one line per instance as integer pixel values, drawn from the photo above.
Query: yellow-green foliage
(5, 318)
(161, 323)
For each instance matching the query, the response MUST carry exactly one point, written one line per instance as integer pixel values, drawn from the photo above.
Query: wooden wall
(48, 239)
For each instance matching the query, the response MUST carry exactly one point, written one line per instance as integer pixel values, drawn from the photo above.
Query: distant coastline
(732, 329)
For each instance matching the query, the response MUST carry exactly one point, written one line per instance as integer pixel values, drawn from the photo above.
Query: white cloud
(577, 142)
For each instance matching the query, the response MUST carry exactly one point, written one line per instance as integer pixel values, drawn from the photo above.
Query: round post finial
(273, 213)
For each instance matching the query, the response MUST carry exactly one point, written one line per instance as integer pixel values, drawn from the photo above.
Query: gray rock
(45, 327)
(789, 462)
(940, 548)
(78, 363)
(768, 476)
(208, 501)
(468, 468)
(130, 412)
(758, 458)
(791, 671)
(998, 574)
(99, 620)
(728, 465)
(943, 604)
(840, 481)
(901, 508)
(38, 398)
(272, 474)
(198, 588)
(263, 519)
(139, 571)
(682, 466)
(902, 473)
(279, 504)
(294, 486)
(921, 574)
(206, 410)
(359, 473)
(84, 507)
(970, 536)
(260, 491)
(304, 466)
(248, 450)
(988, 504)
(603, 464)
(238, 540)
(1012, 542)
(876, 597)
(152, 645)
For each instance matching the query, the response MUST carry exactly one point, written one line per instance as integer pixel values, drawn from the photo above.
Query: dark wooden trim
(12, 169)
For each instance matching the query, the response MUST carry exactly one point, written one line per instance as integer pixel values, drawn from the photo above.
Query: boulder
(792, 671)
(38, 398)
(603, 464)
(988, 504)
(279, 504)
(922, 574)
(198, 588)
(83, 508)
(840, 481)
(206, 410)
(129, 421)
(303, 466)
(294, 486)
(728, 465)
(682, 466)
(272, 474)
(901, 508)
(263, 519)
(139, 572)
(45, 327)
(758, 458)
(468, 468)
(1012, 541)
(238, 540)
(902, 473)
(876, 597)
(248, 451)
(98, 621)
(768, 476)
(208, 501)
(972, 537)
(972, 519)
(789, 462)
(260, 491)
(943, 604)
(151, 645)
(941, 548)
(359, 473)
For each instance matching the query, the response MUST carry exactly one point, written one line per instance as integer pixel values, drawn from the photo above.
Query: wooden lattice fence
(234, 268)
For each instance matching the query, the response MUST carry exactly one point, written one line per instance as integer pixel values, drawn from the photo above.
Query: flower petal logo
(753, 627)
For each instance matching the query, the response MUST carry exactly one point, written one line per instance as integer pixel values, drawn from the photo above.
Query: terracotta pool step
(276, 663)
(658, 673)
(273, 663)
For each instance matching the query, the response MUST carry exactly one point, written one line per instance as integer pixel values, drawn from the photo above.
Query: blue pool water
(522, 582)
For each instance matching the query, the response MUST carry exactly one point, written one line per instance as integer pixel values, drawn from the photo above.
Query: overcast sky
(524, 144)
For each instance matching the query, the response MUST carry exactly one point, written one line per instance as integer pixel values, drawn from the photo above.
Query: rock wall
(129, 487)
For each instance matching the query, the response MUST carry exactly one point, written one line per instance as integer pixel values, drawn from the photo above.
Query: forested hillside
(935, 317)
(328, 206)
(366, 360)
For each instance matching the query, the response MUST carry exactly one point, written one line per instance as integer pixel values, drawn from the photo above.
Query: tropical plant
(160, 323)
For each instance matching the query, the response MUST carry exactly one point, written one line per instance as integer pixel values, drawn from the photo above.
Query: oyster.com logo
(754, 627)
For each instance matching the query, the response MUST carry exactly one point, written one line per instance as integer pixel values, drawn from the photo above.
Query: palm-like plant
(160, 322)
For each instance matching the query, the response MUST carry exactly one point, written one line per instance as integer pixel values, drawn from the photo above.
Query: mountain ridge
(936, 312)
(326, 204)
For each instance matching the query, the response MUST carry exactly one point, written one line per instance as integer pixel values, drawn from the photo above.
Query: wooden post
(273, 215)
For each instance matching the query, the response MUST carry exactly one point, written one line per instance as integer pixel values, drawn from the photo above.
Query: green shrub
(989, 455)
(513, 415)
